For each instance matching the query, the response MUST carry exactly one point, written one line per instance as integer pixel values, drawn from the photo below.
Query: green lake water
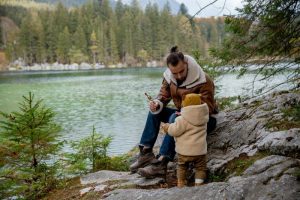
(111, 99)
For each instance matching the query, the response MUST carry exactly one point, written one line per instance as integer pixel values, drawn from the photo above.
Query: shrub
(28, 148)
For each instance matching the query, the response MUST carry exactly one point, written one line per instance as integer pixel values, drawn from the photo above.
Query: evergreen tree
(119, 10)
(152, 13)
(113, 47)
(94, 46)
(79, 40)
(41, 47)
(63, 46)
(88, 152)
(266, 30)
(183, 9)
(101, 37)
(135, 13)
(61, 17)
(29, 140)
(142, 56)
(51, 38)
(73, 21)
(127, 28)
(76, 55)
(27, 40)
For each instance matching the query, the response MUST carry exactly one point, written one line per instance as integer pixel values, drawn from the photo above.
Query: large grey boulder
(243, 130)
(115, 179)
(269, 178)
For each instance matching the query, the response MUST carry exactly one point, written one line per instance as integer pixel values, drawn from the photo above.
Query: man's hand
(154, 106)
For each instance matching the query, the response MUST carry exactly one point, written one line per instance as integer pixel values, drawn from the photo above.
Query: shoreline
(19, 65)
(75, 71)
(85, 67)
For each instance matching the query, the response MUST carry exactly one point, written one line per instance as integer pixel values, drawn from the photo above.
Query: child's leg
(181, 171)
(200, 167)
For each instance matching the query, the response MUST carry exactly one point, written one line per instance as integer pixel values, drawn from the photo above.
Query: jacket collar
(195, 75)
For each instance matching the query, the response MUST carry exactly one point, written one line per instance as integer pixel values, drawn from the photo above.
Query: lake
(111, 99)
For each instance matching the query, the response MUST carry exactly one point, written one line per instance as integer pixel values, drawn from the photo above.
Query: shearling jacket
(197, 81)
(189, 130)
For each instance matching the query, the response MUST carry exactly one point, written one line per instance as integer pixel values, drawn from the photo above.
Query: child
(189, 132)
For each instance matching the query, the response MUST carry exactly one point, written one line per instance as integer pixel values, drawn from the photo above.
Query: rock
(142, 182)
(263, 164)
(119, 180)
(100, 188)
(73, 66)
(242, 130)
(282, 142)
(85, 190)
(138, 183)
(85, 66)
(268, 178)
(105, 175)
(173, 193)
(98, 66)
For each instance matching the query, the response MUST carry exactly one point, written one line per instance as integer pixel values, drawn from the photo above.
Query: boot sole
(148, 176)
(146, 163)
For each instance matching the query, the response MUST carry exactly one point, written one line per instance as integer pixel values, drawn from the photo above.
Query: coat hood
(196, 115)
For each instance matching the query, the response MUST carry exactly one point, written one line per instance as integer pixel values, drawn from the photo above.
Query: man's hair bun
(174, 49)
(175, 56)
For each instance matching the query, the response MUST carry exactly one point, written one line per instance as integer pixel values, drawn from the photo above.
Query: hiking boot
(156, 169)
(145, 157)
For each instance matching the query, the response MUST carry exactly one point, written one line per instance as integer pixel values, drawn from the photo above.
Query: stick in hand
(148, 96)
(153, 105)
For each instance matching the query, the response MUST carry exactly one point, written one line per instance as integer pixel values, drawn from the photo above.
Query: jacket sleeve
(177, 128)
(163, 97)
(207, 95)
(164, 94)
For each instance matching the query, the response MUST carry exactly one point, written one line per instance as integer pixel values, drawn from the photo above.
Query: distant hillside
(46, 4)
(67, 3)
(174, 5)
(26, 4)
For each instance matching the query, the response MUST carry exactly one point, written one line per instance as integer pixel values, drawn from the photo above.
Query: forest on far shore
(97, 33)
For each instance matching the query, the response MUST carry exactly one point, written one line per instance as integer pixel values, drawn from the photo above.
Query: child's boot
(181, 183)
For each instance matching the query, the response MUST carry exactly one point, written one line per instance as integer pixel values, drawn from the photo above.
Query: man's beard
(179, 82)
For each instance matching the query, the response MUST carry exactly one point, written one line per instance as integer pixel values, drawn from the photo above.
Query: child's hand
(177, 113)
(165, 127)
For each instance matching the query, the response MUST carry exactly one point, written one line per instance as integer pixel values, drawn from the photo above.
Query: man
(183, 76)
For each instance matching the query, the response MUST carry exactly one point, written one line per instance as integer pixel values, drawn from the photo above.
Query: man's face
(179, 71)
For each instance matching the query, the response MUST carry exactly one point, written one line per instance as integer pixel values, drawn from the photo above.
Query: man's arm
(163, 97)
(207, 91)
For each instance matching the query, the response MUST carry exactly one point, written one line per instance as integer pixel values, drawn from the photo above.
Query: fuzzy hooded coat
(190, 129)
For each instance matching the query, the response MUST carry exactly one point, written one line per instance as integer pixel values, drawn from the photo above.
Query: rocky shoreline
(19, 65)
(253, 154)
